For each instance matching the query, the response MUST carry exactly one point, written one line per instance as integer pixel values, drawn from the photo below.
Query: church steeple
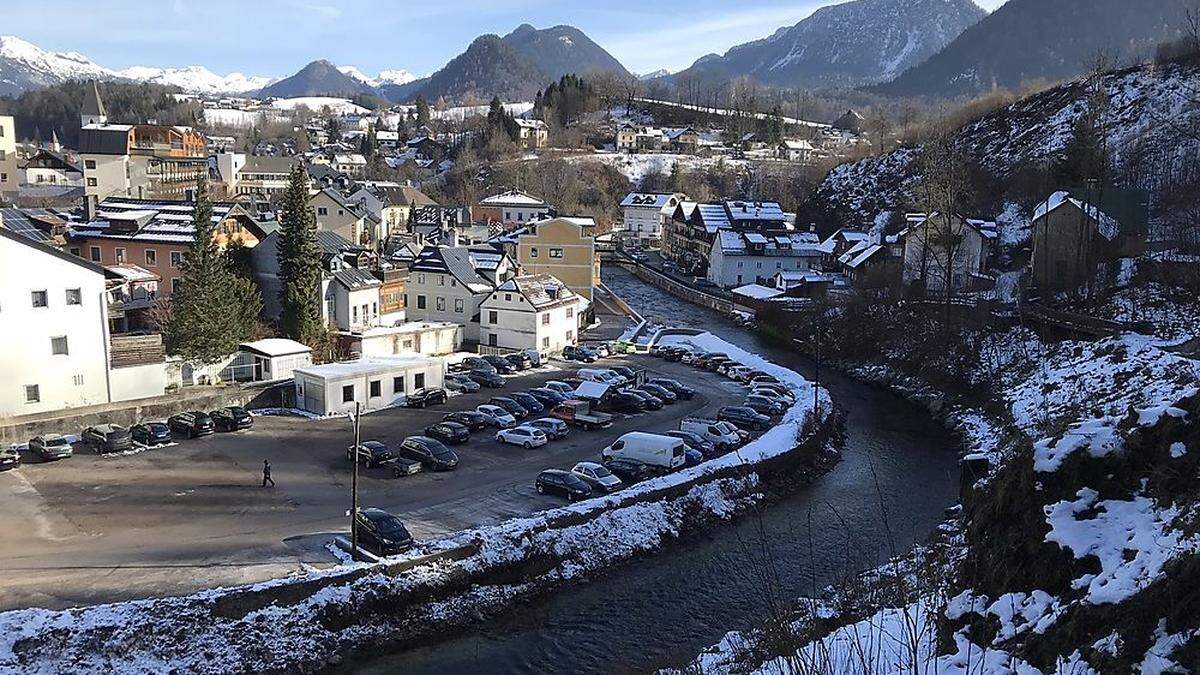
(93, 107)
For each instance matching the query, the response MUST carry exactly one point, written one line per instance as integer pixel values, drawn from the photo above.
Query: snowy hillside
(1147, 107)
(197, 79)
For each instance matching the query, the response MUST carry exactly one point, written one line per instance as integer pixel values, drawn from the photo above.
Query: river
(898, 475)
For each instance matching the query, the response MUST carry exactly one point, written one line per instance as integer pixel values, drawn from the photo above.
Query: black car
(476, 364)
(562, 483)
(624, 402)
(744, 418)
(471, 419)
(696, 442)
(429, 452)
(519, 360)
(108, 438)
(232, 418)
(666, 395)
(528, 402)
(501, 364)
(151, 433)
(425, 397)
(547, 397)
(10, 458)
(515, 409)
(674, 354)
(581, 354)
(191, 424)
(485, 379)
(681, 391)
(652, 402)
(382, 533)
(625, 372)
(764, 406)
(452, 433)
(370, 454)
(628, 470)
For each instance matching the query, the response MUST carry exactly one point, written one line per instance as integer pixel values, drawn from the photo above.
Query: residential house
(10, 179)
(851, 121)
(532, 134)
(393, 202)
(644, 213)
(738, 258)
(335, 213)
(414, 337)
(48, 167)
(387, 140)
(267, 360)
(795, 151)
(352, 164)
(428, 149)
(255, 175)
(448, 284)
(631, 138)
(534, 311)
(562, 248)
(155, 234)
(59, 352)
(693, 227)
(947, 252)
(838, 243)
(682, 140)
(513, 207)
(1076, 242)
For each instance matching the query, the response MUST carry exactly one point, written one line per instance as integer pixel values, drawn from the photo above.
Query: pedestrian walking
(267, 474)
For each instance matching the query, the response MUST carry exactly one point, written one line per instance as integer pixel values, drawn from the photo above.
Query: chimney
(91, 208)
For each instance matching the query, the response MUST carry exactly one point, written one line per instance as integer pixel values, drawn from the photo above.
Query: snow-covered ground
(637, 166)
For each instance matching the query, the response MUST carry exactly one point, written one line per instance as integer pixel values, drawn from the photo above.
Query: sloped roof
(355, 279)
(541, 290)
(647, 199)
(93, 105)
(757, 292)
(455, 261)
(275, 347)
(153, 220)
(1108, 226)
(513, 198)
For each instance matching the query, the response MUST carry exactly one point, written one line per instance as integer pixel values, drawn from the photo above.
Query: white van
(602, 375)
(662, 452)
(718, 433)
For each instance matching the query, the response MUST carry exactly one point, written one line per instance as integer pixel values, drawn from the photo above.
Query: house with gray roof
(448, 283)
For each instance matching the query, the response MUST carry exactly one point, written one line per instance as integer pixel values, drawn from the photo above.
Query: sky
(278, 37)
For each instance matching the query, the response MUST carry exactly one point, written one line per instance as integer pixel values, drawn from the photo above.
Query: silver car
(598, 477)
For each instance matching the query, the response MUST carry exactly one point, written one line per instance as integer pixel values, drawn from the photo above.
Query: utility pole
(817, 382)
(354, 490)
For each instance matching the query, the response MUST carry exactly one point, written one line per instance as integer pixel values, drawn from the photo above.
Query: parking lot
(193, 515)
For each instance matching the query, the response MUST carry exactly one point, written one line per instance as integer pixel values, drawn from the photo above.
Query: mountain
(319, 78)
(1051, 39)
(653, 75)
(385, 77)
(24, 66)
(560, 50)
(846, 45)
(197, 79)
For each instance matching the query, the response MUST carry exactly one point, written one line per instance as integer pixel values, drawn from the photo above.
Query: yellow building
(560, 248)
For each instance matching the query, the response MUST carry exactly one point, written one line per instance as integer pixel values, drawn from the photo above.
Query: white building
(375, 383)
(738, 258)
(419, 337)
(512, 207)
(10, 181)
(534, 311)
(644, 213)
(268, 359)
(448, 284)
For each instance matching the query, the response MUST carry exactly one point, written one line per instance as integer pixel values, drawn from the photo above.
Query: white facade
(430, 339)
(513, 318)
(439, 297)
(9, 178)
(375, 383)
(738, 259)
(54, 348)
(643, 214)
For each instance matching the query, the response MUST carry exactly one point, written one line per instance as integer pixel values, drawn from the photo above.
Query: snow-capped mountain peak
(385, 77)
(197, 79)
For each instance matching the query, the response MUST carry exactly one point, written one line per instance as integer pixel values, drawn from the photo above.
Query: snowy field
(636, 167)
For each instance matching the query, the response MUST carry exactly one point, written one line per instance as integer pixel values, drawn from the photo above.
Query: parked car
(473, 420)
(681, 391)
(581, 354)
(382, 533)
(778, 389)
(231, 418)
(601, 349)
(692, 358)
(563, 483)
(547, 397)
(553, 427)
(107, 438)
(485, 379)
(50, 447)
(625, 402)
(151, 433)
(501, 364)
(528, 402)
(744, 418)
(676, 354)
(718, 362)
(460, 383)
(664, 453)
(560, 387)
(660, 392)
(692, 457)
(10, 458)
(497, 416)
(765, 378)
(602, 375)
(652, 402)
(723, 435)
(191, 424)
(535, 357)
(764, 405)
(629, 471)
(515, 409)
(425, 397)
(370, 454)
(738, 373)
(519, 360)
(478, 364)
(451, 433)
(429, 452)
(597, 477)
(629, 375)
(696, 442)
(525, 435)
(772, 395)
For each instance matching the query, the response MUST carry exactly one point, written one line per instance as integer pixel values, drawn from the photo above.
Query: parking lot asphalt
(193, 515)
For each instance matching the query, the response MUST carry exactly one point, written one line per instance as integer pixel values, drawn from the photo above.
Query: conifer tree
(422, 111)
(299, 264)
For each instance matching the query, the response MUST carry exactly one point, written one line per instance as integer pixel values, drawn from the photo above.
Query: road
(193, 515)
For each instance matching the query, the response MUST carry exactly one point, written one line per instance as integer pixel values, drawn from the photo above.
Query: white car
(561, 387)
(497, 416)
(773, 395)
(524, 436)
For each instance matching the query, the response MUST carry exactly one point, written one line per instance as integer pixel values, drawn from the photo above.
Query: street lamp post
(354, 489)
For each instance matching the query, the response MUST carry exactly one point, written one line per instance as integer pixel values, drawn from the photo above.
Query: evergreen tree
(299, 264)
(422, 111)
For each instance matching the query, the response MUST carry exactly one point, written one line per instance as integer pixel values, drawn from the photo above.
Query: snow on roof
(1106, 224)
(757, 292)
(862, 257)
(368, 366)
(755, 238)
(590, 390)
(513, 198)
(132, 273)
(647, 199)
(405, 328)
(275, 347)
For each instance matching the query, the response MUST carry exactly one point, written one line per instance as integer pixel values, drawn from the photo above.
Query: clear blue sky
(277, 37)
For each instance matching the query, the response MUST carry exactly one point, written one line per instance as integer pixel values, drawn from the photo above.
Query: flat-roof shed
(375, 382)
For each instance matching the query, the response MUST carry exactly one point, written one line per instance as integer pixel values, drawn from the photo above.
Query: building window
(354, 314)
(398, 384)
(89, 164)
(420, 302)
(570, 312)
(322, 211)
(120, 253)
(458, 305)
(441, 304)
(74, 296)
(508, 297)
(418, 380)
(95, 251)
(78, 380)
(493, 317)
(556, 253)
(92, 182)
(176, 284)
(347, 393)
(420, 278)
(546, 319)
(570, 335)
(441, 280)
(176, 258)
(492, 339)
(39, 298)
(151, 257)
(376, 389)
(533, 252)
(58, 345)
(32, 393)
(545, 343)
(74, 250)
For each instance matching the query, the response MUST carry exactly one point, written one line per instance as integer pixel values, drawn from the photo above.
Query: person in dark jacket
(267, 474)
